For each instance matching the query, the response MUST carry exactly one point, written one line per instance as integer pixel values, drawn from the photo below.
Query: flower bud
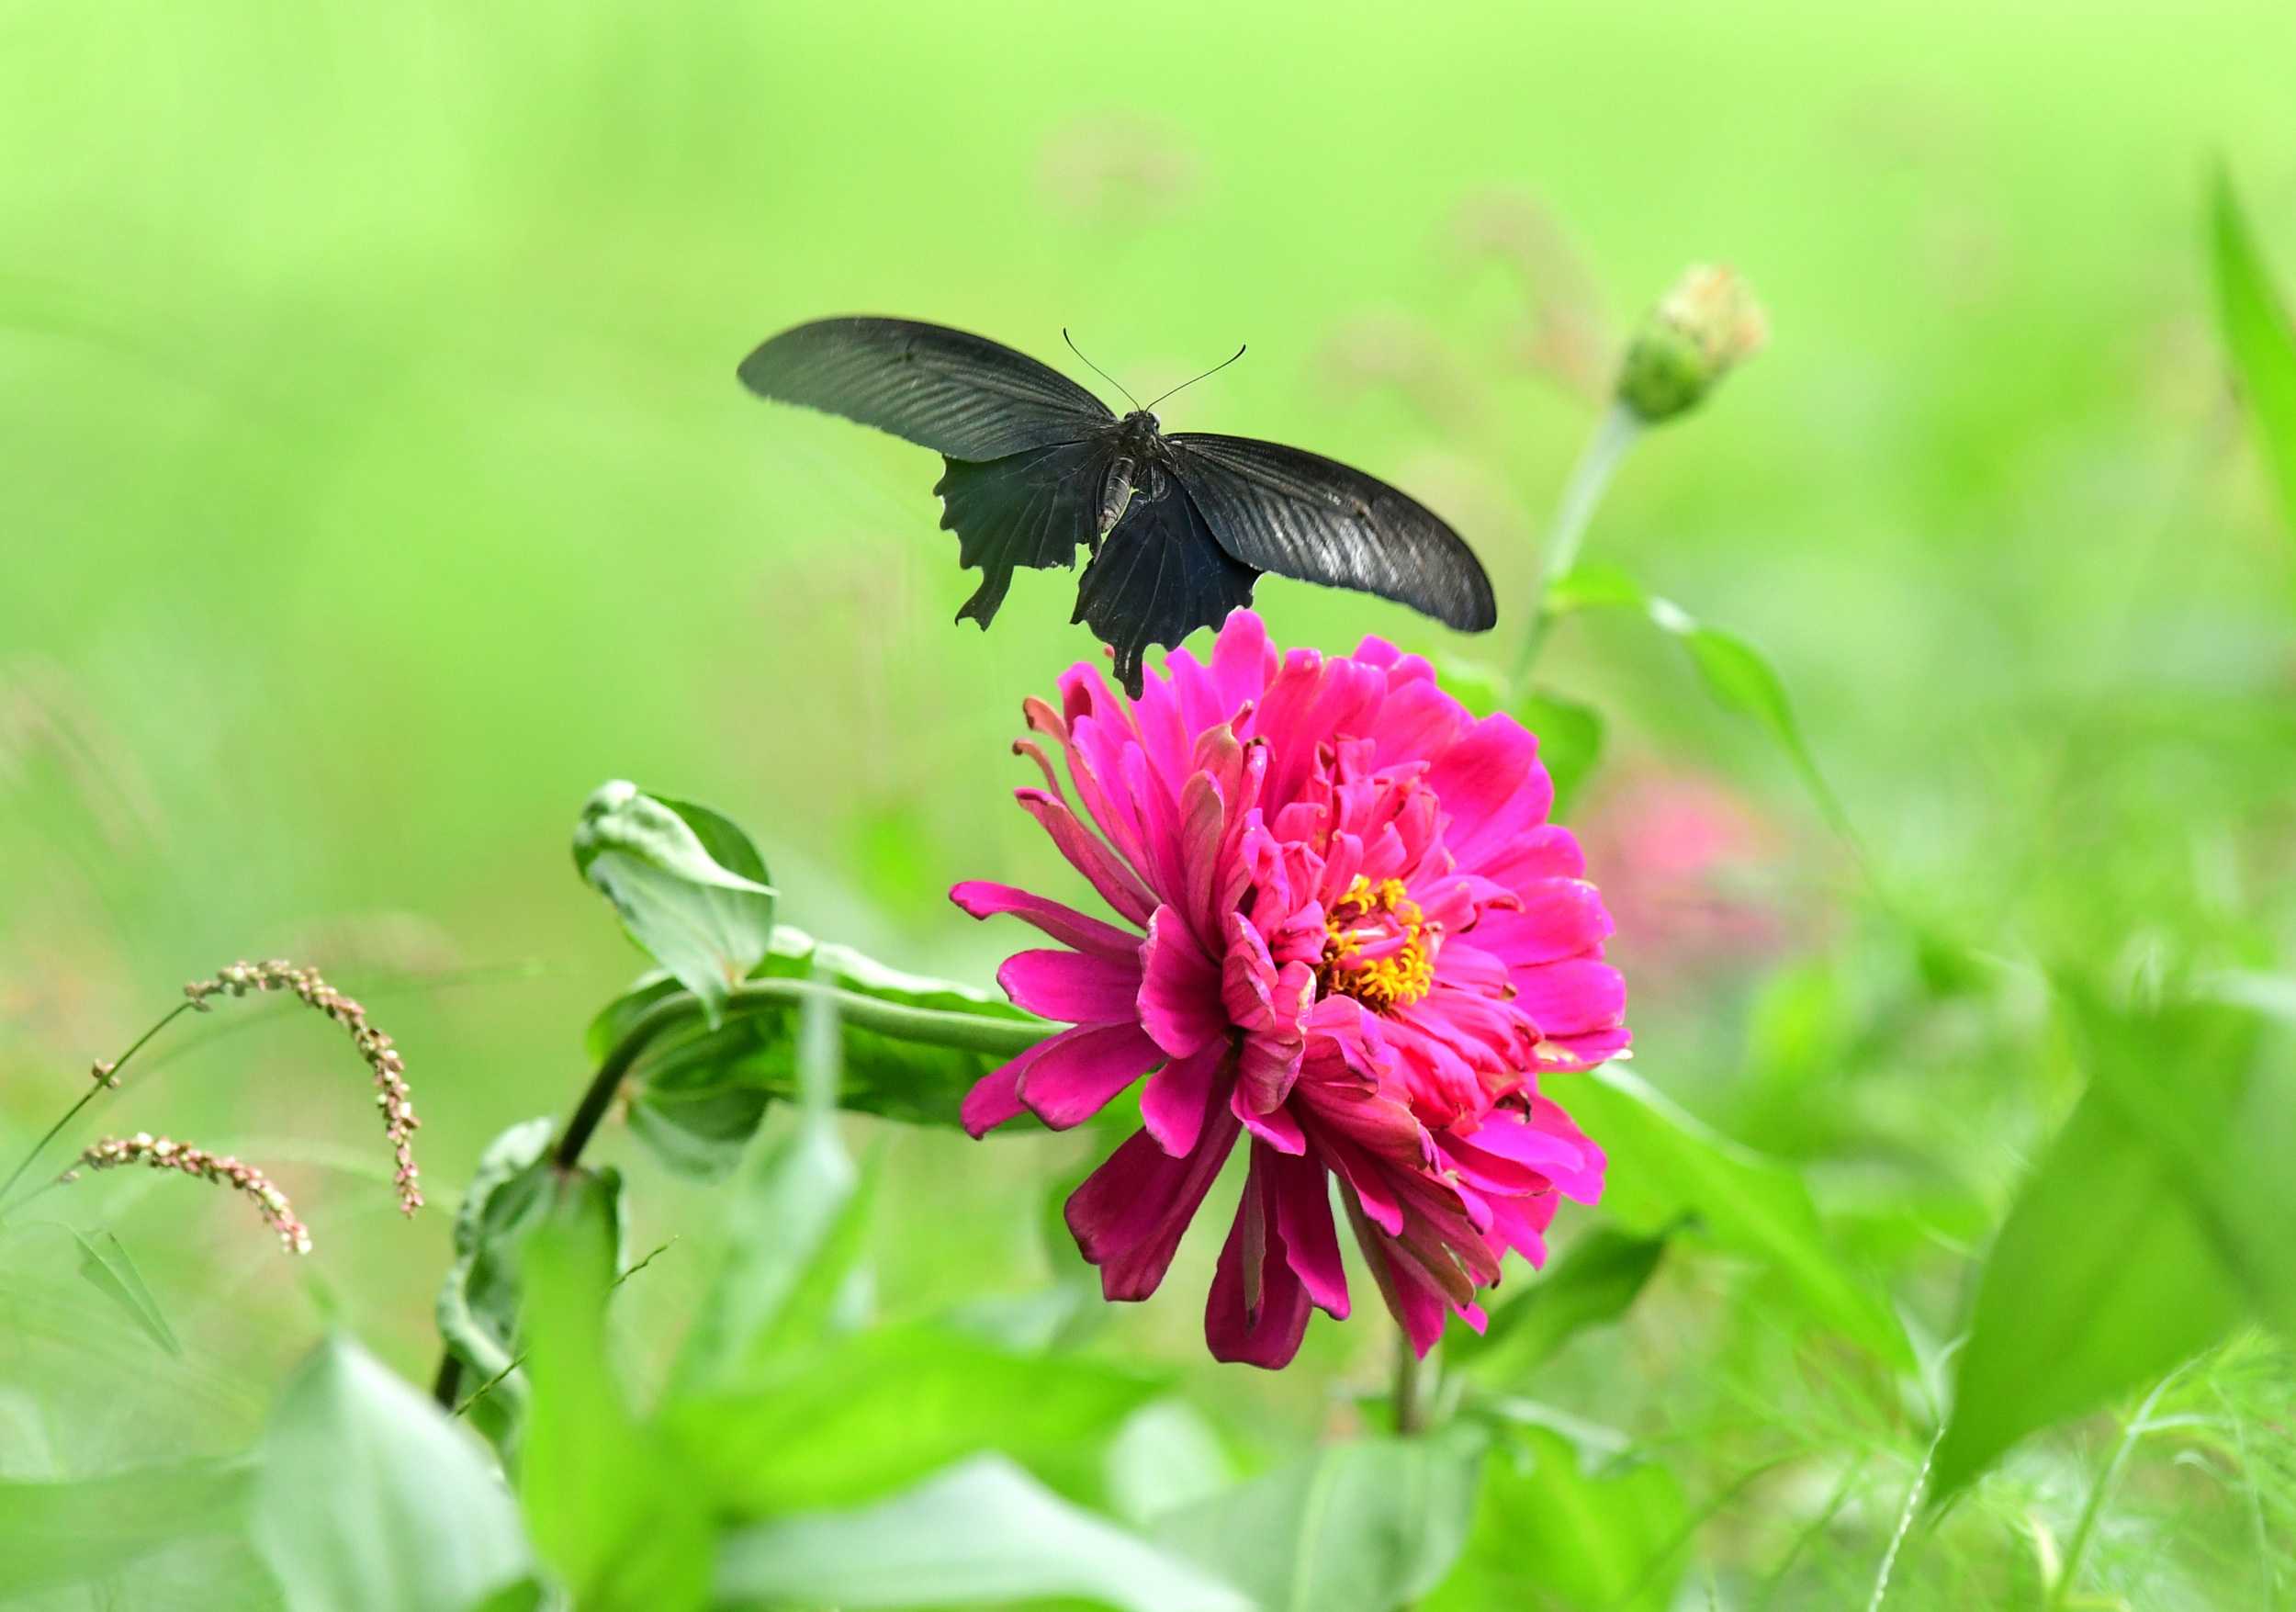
(1707, 323)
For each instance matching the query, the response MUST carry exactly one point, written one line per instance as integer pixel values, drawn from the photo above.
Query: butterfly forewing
(1160, 575)
(1029, 508)
(961, 395)
(1299, 514)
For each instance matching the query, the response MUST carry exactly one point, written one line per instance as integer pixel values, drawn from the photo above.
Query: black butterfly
(1179, 526)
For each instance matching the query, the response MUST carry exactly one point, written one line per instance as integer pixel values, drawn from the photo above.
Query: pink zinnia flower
(1354, 940)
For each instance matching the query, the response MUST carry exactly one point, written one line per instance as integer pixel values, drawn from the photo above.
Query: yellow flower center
(1379, 949)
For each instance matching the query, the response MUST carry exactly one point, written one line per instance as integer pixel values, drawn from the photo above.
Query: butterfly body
(1179, 527)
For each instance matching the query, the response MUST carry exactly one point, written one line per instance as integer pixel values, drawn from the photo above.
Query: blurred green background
(374, 483)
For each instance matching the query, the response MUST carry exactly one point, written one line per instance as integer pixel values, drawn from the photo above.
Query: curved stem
(96, 1087)
(1590, 478)
(2094, 1509)
(970, 1031)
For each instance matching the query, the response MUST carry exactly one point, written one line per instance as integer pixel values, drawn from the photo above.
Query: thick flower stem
(933, 1026)
(1590, 478)
(1410, 1400)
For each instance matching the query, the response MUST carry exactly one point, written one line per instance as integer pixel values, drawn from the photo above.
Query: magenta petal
(1584, 1051)
(1079, 1071)
(1303, 1214)
(1275, 1128)
(1077, 987)
(1571, 998)
(1129, 1216)
(1418, 1309)
(1174, 1102)
(996, 1096)
(1179, 999)
(983, 899)
(1257, 1310)
(1089, 854)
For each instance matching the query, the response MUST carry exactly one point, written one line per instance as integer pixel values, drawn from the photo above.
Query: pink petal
(1558, 918)
(1303, 1216)
(1584, 1051)
(1177, 1098)
(1275, 1128)
(1118, 885)
(1570, 997)
(996, 1096)
(1079, 1071)
(1129, 1216)
(1077, 987)
(1065, 924)
(1241, 659)
(1257, 1310)
(1179, 1000)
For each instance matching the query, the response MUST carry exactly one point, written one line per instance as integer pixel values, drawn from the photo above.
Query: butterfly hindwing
(1299, 514)
(1159, 575)
(1029, 508)
(961, 395)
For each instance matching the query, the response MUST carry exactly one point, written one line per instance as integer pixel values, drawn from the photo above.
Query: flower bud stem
(1620, 428)
(933, 1026)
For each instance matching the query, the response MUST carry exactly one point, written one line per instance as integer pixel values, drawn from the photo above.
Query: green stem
(1590, 478)
(2094, 1509)
(935, 1026)
(939, 1027)
(96, 1087)
(1410, 1399)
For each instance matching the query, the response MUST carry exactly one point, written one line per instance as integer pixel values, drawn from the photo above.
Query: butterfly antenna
(1095, 370)
(1208, 374)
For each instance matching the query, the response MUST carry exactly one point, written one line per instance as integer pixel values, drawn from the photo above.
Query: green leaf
(104, 1261)
(1364, 1526)
(2154, 1221)
(2258, 334)
(691, 888)
(1546, 1534)
(859, 1418)
(1736, 674)
(371, 1500)
(698, 1094)
(1597, 1281)
(611, 1510)
(1665, 1163)
(1570, 741)
(794, 1231)
(512, 1193)
(56, 1535)
(983, 1534)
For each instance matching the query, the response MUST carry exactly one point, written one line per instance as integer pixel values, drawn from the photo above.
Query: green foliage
(698, 1092)
(55, 1535)
(1736, 676)
(2255, 329)
(104, 1260)
(691, 888)
(1665, 1166)
(511, 1192)
(1595, 1282)
(1547, 1534)
(606, 1500)
(871, 1412)
(370, 1499)
(2157, 1218)
(1363, 1527)
(983, 1534)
